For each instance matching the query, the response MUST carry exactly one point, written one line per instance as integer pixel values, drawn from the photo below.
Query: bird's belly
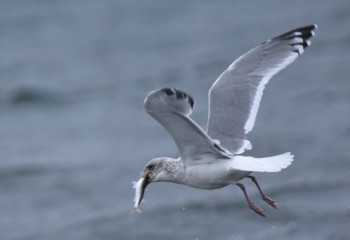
(212, 176)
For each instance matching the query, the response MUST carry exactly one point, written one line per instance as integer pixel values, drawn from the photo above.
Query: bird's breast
(211, 176)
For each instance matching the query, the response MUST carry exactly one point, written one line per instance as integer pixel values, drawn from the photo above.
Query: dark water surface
(73, 135)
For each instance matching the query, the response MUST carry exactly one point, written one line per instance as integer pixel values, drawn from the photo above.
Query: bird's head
(162, 169)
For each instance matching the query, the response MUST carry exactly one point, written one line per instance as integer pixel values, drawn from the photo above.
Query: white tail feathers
(267, 164)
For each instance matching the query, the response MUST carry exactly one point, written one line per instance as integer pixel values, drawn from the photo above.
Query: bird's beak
(147, 176)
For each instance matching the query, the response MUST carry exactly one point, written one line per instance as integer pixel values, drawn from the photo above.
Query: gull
(211, 159)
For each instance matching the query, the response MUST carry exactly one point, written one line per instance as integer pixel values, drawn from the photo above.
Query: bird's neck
(175, 170)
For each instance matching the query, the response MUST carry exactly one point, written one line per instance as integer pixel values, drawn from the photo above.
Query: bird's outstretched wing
(235, 96)
(172, 108)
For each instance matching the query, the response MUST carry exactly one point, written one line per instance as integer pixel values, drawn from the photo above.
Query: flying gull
(210, 159)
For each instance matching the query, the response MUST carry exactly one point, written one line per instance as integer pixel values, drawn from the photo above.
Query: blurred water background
(73, 132)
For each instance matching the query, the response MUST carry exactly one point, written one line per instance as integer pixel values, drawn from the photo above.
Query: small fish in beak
(140, 187)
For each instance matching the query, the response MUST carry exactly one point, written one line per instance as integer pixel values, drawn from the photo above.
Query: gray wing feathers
(171, 108)
(235, 96)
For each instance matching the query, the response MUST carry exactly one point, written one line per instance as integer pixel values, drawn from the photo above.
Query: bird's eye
(150, 167)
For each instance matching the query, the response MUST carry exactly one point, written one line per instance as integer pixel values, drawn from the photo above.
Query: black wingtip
(179, 95)
(168, 91)
(191, 101)
(305, 32)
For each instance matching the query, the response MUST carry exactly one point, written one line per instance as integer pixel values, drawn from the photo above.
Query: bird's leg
(251, 205)
(268, 200)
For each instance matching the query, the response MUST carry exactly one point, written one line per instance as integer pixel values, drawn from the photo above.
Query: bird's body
(210, 159)
(202, 176)
(218, 172)
(214, 175)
